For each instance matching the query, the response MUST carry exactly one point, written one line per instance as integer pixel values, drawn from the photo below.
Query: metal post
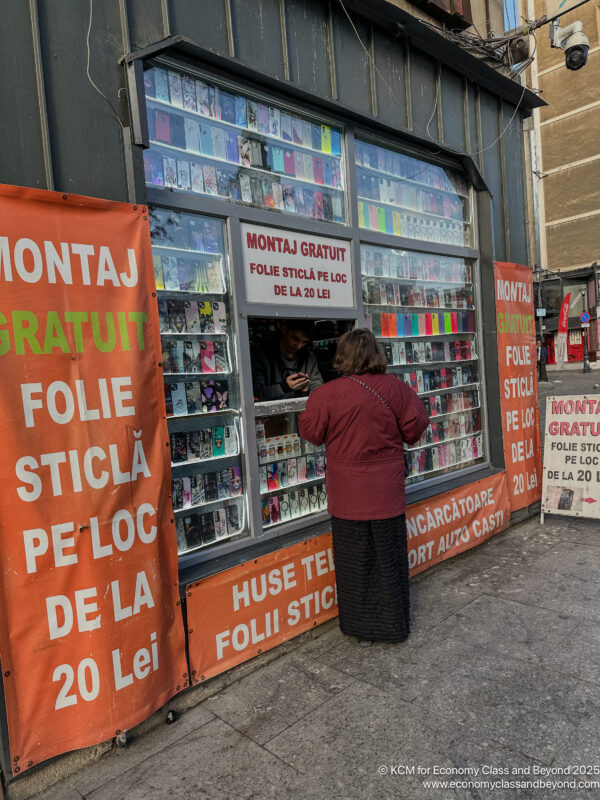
(542, 374)
(586, 354)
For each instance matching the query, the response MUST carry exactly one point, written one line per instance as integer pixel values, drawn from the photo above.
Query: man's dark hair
(358, 352)
(305, 326)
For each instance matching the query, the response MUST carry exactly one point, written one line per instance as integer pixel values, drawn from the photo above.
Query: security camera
(573, 41)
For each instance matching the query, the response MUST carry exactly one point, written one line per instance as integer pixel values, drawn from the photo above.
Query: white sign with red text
(571, 474)
(287, 268)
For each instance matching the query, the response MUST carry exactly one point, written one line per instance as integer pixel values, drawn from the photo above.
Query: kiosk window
(291, 470)
(200, 377)
(405, 196)
(209, 139)
(422, 310)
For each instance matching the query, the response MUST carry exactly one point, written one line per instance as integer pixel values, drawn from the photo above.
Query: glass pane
(405, 196)
(201, 386)
(210, 140)
(292, 470)
(422, 310)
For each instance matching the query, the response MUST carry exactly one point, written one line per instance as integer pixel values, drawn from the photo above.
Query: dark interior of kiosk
(262, 330)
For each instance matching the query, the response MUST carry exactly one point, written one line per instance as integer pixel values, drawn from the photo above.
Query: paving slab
(119, 760)
(532, 709)
(361, 734)
(215, 761)
(276, 696)
(578, 655)
(570, 594)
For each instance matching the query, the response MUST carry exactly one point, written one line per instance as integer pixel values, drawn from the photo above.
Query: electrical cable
(383, 80)
(87, 70)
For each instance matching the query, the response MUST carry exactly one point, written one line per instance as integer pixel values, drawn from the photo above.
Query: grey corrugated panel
(203, 20)
(453, 117)
(472, 103)
(85, 136)
(490, 132)
(424, 102)
(145, 22)
(352, 65)
(425, 37)
(515, 185)
(308, 44)
(257, 34)
(390, 79)
(21, 153)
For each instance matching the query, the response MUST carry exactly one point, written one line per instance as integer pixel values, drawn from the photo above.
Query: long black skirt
(371, 569)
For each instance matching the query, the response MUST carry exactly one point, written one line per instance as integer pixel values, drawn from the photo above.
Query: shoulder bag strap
(377, 395)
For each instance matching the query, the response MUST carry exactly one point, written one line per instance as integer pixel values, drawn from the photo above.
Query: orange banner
(453, 522)
(241, 612)
(517, 369)
(91, 635)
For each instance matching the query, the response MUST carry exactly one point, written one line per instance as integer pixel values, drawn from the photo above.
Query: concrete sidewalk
(502, 669)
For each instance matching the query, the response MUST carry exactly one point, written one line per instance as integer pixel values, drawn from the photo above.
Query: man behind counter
(283, 367)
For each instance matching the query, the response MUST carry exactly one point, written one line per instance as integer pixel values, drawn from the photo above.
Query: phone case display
(201, 390)
(291, 470)
(206, 139)
(422, 310)
(404, 196)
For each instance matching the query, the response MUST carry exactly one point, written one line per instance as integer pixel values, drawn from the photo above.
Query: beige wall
(568, 144)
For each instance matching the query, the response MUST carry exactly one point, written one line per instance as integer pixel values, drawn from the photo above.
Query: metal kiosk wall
(249, 195)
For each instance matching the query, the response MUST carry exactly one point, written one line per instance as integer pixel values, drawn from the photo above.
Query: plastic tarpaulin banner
(91, 633)
(563, 331)
(517, 369)
(571, 484)
(244, 611)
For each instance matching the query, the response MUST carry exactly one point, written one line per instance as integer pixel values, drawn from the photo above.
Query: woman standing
(364, 418)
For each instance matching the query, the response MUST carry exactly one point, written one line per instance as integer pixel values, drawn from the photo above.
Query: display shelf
(200, 415)
(422, 307)
(412, 281)
(200, 378)
(432, 346)
(438, 417)
(188, 251)
(188, 375)
(292, 486)
(424, 336)
(442, 389)
(409, 210)
(396, 177)
(441, 470)
(186, 335)
(205, 139)
(428, 445)
(290, 505)
(249, 131)
(268, 173)
(435, 209)
(428, 364)
(186, 510)
(197, 531)
(178, 467)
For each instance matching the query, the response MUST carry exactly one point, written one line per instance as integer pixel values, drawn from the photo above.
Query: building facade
(351, 133)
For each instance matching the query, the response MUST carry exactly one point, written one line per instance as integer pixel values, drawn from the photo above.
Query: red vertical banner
(518, 382)
(91, 634)
(563, 331)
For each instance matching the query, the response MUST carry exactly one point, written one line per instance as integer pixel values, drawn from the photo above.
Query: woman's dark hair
(358, 352)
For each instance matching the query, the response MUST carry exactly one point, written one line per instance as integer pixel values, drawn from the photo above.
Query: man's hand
(298, 382)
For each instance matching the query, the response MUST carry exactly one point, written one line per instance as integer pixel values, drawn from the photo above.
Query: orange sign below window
(241, 612)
